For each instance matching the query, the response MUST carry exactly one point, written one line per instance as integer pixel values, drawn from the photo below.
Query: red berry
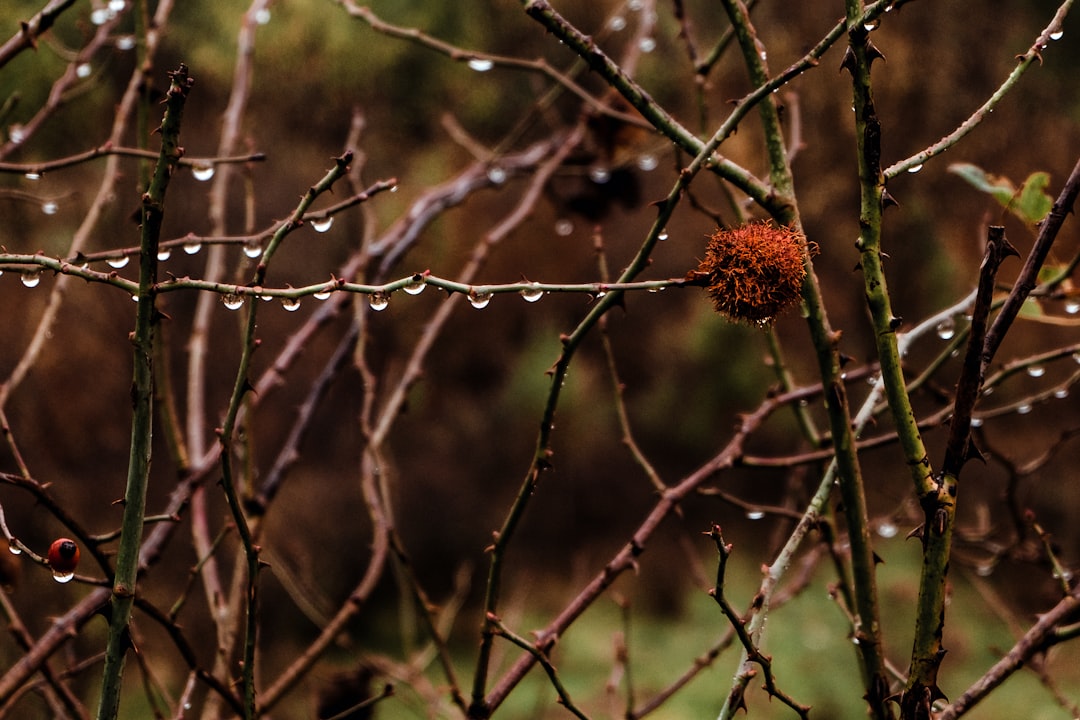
(63, 555)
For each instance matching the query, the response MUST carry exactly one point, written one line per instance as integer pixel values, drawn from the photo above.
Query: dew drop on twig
(83, 70)
(32, 278)
(62, 577)
(322, 294)
(416, 285)
(564, 227)
(252, 248)
(290, 304)
(479, 300)
(1072, 306)
(379, 301)
(915, 168)
(322, 224)
(49, 207)
(754, 514)
(164, 254)
(1057, 34)
(496, 175)
(1023, 409)
(648, 44)
(946, 329)
(232, 301)
(532, 293)
(118, 262)
(617, 23)
(13, 547)
(202, 173)
(192, 247)
(480, 64)
(1036, 370)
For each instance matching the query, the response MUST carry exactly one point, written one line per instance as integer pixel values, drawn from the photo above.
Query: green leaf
(1000, 187)
(1033, 204)
(1031, 308)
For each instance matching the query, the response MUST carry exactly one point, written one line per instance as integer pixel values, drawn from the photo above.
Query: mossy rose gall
(753, 272)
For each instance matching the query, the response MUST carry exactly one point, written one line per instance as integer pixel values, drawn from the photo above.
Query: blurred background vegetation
(459, 451)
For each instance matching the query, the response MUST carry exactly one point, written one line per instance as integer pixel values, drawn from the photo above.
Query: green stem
(825, 340)
(240, 389)
(127, 560)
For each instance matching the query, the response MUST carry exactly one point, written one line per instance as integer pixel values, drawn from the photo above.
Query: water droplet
(49, 207)
(263, 16)
(479, 300)
(232, 301)
(564, 227)
(915, 168)
(191, 247)
(870, 26)
(1036, 370)
(164, 254)
(252, 248)
(647, 44)
(887, 529)
(984, 569)
(755, 514)
(117, 5)
(100, 16)
(1076, 356)
(83, 70)
(290, 304)
(30, 175)
(663, 235)
(480, 64)
(125, 42)
(648, 162)
(202, 173)
(617, 23)
(976, 422)
(322, 294)
(496, 175)
(1061, 393)
(599, 175)
(13, 547)
(416, 285)
(32, 278)
(532, 293)
(379, 301)
(1023, 409)
(322, 224)
(1056, 35)
(636, 5)
(394, 189)
(62, 577)
(119, 262)
(946, 329)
